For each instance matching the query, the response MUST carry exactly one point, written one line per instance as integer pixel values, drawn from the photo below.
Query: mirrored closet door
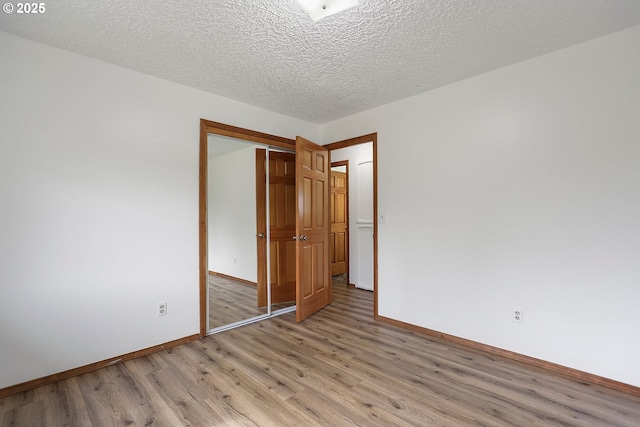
(251, 267)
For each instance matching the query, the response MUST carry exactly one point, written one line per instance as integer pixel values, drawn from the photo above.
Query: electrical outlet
(162, 309)
(517, 315)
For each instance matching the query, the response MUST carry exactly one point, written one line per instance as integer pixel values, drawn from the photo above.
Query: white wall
(360, 159)
(519, 188)
(232, 215)
(99, 218)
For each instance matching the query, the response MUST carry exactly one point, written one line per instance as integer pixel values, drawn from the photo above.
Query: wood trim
(235, 279)
(374, 141)
(50, 379)
(340, 163)
(373, 138)
(574, 374)
(352, 141)
(202, 225)
(207, 127)
(247, 134)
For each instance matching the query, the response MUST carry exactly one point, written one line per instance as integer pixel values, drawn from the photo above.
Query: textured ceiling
(270, 54)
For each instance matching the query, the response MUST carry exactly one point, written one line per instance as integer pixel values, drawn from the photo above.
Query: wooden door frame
(207, 127)
(345, 163)
(373, 138)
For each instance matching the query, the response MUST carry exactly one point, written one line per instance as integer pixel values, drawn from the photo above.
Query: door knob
(261, 235)
(303, 237)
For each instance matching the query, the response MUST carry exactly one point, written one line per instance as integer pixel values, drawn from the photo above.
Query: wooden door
(282, 219)
(339, 235)
(313, 281)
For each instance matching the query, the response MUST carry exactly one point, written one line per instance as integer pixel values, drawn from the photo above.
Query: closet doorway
(234, 240)
(271, 194)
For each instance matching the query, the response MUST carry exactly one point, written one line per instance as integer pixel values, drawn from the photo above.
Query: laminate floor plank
(231, 301)
(69, 395)
(235, 387)
(146, 365)
(263, 380)
(105, 395)
(269, 378)
(410, 407)
(228, 388)
(158, 413)
(337, 368)
(419, 394)
(318, 414)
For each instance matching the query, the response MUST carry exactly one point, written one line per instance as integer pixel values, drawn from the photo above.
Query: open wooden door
(339, 221)
(313, 279)
(282, 218)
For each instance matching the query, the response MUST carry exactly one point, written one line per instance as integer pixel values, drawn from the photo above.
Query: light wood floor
(338, 368)
(231, 301)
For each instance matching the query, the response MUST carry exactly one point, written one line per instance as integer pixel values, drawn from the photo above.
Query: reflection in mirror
(231, 230)
(237, 211)
(281, 215)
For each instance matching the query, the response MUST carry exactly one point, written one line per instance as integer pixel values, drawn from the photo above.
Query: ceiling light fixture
(318, 9)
